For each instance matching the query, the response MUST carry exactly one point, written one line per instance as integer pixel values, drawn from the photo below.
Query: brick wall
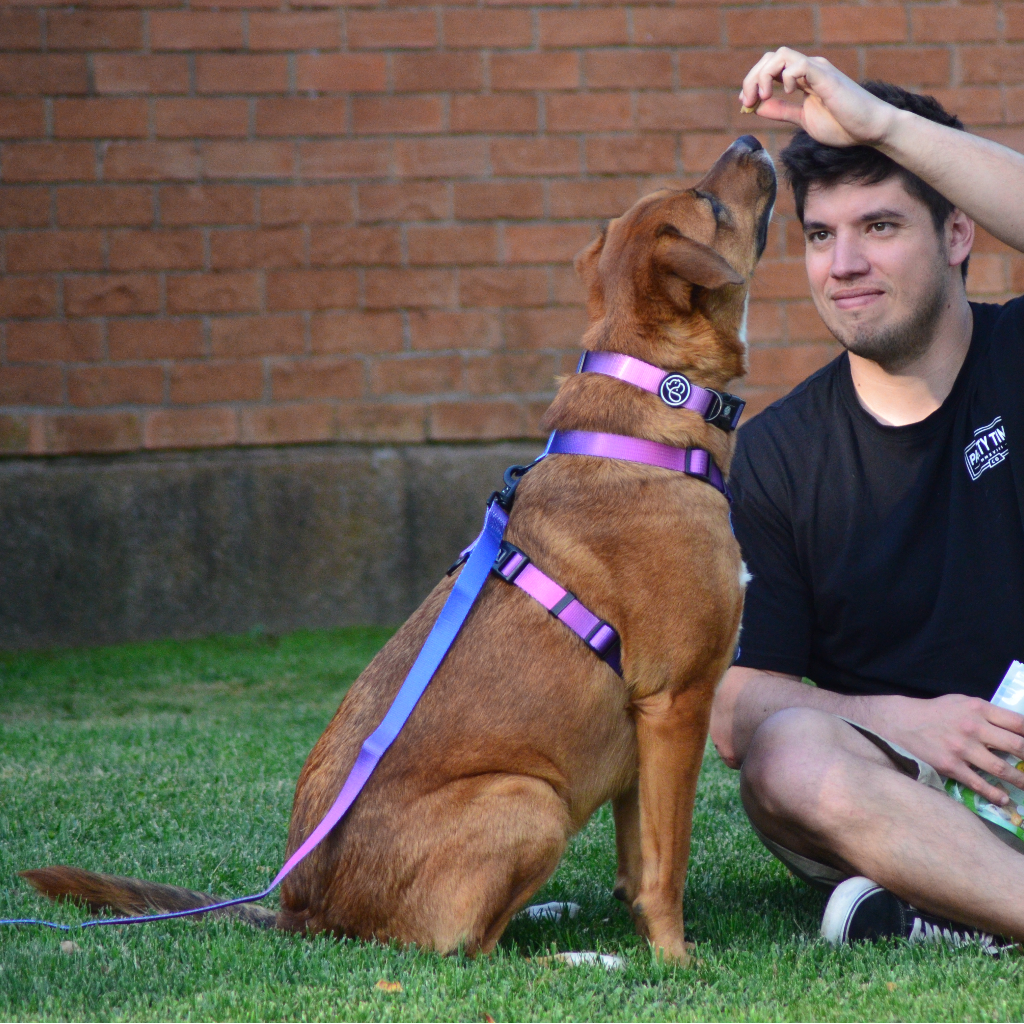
(253, 222)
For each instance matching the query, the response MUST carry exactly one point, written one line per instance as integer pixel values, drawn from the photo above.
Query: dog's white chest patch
(745, 576)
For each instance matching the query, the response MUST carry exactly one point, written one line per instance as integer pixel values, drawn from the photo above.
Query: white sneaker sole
(842, 905)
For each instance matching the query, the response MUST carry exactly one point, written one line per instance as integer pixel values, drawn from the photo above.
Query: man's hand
(957, 734)
(836, 111)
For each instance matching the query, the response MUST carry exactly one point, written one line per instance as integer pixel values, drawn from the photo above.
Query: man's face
(879, 272)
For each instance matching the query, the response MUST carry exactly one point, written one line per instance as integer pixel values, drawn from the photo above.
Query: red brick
(212, 293)
(549, 70)
(122, 72)
(308, 30)
(24, 207)
(503, 286)
(113, 294)
(392, 289)
(920, 65)
(94, 30)
(154, 339)
(787, 364)
(629, 69)
(441, 158)
(322, 377)
(987, 275)
(256, 249)
(92, 432)
(354, 246)
(312, 289)
(498, 199)
(545, 243)
(27, 297)
(29, 252)
(413, 200)
(476, 421)
(589, 112)
(43, 74)
(993, 65)
(190, 428)
(402, 114)
(566, 287)
(22, 119)
(977, 105)
(972, 23)
(764, 322)
(851, 23)
(436, 72)
(103, 205)
(116, 385)
(248, 159)
(150, 161)
(99, 118)
(305, 204)
(631, 154)
(356, 332)
(1014, 108)
(780, 279)
(1013, 21)
(507, 112)
(591, 26)
(433, 329)
(380, 421)
(207, 204)
(439, 246)
(503, 373)
(221, 381)
(803, 322)
(241, 73)
(48, 161)
(487, 27)
(156, 250)
(257, 335)
(386, 30)
(700, 69)
(20, 30)
(770, 28)
(682, 111)
(295, 116)
(544, 328)
(342, 72)
(660, 26)
(195, 30)
(355, 158)
(188, 118)
(287, 424)
(30, 385)
(420, 375)
(606, 197)
(29, 342)
(535, 156)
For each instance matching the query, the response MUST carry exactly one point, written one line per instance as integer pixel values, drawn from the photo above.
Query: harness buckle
(727, 415)
(506, 553)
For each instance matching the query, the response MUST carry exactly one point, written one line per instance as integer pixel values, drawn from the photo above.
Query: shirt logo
(987, 449)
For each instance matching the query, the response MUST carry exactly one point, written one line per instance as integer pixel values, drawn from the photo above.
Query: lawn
(175, 761)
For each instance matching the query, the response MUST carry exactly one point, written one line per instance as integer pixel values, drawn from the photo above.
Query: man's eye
(880, 226)
(817, 236)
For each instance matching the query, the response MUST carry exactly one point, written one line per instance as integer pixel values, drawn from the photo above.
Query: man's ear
(693, 262)
(586, 260)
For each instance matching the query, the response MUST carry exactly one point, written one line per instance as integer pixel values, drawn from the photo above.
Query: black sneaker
(859, 909)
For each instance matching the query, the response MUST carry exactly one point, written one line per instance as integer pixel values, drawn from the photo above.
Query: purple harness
(490, 552)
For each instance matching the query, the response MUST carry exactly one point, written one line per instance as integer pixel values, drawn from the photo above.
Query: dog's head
(667, 281)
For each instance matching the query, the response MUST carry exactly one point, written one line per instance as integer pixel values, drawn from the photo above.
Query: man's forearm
(980, 177)
(747, 697)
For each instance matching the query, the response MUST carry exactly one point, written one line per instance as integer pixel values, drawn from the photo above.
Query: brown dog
(524, 732)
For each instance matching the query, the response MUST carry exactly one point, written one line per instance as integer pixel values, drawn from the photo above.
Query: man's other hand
(836, 110)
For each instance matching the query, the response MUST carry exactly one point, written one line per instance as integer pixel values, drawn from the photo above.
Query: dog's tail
(132, 896)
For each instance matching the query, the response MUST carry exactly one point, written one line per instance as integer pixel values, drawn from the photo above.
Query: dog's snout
(749, 143)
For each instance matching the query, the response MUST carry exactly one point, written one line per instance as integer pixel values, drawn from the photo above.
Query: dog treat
(550, 911)
(750, 110)
(1010, 695)
(586, 958)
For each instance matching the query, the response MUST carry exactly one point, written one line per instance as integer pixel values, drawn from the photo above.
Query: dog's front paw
(673, 950)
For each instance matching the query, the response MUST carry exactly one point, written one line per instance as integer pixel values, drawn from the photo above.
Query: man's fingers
(972, 780)
(779, 110)
(1005, 719)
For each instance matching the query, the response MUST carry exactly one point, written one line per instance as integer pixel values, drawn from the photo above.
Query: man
(887, 566)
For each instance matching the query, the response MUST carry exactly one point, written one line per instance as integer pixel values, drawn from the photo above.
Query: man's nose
(848, 257)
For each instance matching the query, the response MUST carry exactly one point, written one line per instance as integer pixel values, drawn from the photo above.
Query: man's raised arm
(980, 177)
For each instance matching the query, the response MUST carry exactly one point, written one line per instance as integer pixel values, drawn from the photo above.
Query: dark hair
(808, 162)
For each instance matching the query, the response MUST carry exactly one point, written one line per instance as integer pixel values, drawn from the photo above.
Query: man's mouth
(856, 298)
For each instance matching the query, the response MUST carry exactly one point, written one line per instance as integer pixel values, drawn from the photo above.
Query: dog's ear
(693, 262)
(586, 260)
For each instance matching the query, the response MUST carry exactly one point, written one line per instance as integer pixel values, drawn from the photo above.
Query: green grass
(176, 762)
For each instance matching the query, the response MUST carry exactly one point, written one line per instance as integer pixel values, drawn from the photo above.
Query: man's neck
(914, 392)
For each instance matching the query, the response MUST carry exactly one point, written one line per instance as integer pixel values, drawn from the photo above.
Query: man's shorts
(826, 877)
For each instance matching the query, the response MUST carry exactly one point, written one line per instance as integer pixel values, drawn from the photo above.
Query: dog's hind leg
(626, 809)
(503, 838)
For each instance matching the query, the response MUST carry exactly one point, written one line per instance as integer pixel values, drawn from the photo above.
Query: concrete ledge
(102, 549)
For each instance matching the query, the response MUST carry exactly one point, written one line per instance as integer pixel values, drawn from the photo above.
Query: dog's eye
(670, 230)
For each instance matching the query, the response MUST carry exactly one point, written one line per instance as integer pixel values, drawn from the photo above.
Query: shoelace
(925, 932)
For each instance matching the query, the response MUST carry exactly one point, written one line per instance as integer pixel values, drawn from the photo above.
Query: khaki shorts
(826, 877)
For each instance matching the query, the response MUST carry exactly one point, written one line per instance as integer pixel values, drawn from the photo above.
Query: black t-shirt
(889, 559)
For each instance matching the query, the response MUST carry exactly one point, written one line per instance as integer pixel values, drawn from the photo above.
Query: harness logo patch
(987, 449)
